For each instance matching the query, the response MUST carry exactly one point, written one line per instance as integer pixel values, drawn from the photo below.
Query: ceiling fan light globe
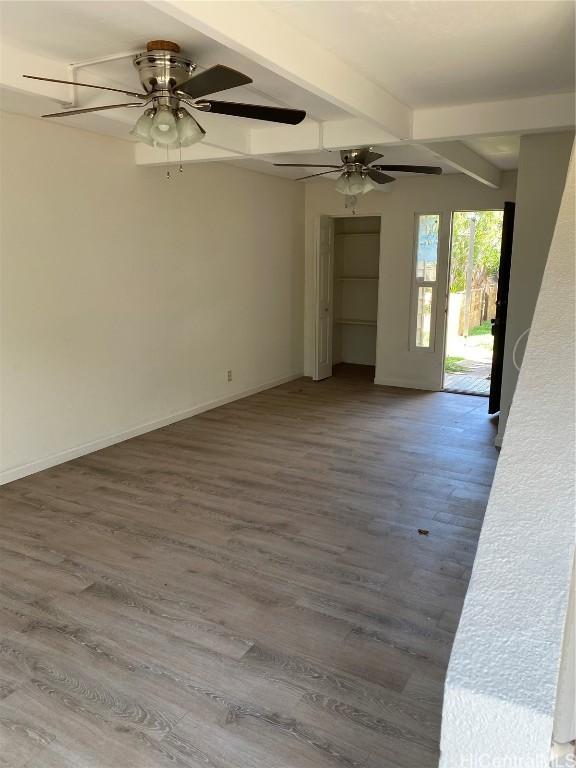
(163, 131)
(342, 185)
(143, 126)
(355, 184)
(368, 185)
(189, 131)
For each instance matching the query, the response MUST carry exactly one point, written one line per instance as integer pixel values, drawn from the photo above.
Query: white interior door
(324, 298)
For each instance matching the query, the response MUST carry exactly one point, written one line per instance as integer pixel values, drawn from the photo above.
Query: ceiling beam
(466, 161)
(266, 39)
(272, 140)
(554, 112)
(310, 136)
(197, 153)
(229, 134)
(16, 62)
(343, 134)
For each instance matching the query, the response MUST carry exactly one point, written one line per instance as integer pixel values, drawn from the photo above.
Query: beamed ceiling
(450, 83)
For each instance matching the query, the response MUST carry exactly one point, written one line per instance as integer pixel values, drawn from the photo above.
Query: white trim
(346, 214)
(444, 326)
(15, 473)
(417, 284)
(404, 384)
(317, 288)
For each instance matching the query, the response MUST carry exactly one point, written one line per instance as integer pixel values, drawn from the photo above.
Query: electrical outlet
(229, 374)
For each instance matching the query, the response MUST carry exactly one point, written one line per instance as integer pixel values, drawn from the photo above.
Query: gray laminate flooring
(246, 588)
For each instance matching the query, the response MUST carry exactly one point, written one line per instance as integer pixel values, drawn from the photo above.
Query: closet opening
(348, 275)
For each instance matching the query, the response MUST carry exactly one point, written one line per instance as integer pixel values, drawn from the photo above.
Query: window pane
(423, 316)
(427, 249)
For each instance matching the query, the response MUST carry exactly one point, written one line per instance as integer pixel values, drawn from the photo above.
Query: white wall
(395, 363)
(502, 680)
(542, 169)
(126, 297)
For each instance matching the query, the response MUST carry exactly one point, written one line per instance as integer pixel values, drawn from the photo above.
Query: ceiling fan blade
(366, 156)
(379, 177)
(91, 109)
(254, 111)
(218, 78)
(88, 85)
(317, 174)
(431, 169)
(305, 165)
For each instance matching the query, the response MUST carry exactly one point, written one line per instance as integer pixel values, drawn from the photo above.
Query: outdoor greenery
(453, 364)
(482, 329)
(486, 248)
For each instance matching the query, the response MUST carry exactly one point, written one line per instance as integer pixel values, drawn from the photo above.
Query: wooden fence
(482, 308)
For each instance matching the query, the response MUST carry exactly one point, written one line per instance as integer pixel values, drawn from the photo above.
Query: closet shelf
(345, 321)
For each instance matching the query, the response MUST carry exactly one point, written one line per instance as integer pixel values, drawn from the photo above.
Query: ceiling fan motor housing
(162, 67)
(353, 156)
(352, 161)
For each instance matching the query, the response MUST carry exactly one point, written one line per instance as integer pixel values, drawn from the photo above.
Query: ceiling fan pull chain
(180, 169)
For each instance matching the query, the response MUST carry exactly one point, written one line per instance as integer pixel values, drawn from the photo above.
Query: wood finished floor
(246, 588)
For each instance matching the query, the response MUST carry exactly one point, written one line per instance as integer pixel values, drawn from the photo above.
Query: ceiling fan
(168, 82)
(358, 175)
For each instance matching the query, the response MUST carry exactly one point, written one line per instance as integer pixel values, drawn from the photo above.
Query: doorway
(475, 254)
(348, 263)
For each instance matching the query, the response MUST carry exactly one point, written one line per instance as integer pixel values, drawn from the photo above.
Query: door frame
(500, 318)
(315, 314)
(447, 294)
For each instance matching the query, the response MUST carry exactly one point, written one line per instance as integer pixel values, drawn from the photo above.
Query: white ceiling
(426, 54)
(501, 151)
(85, 30)
(440, 53)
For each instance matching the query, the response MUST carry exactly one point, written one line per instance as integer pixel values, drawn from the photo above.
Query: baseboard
(403, 384)
(502, 420)
(9, 475)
